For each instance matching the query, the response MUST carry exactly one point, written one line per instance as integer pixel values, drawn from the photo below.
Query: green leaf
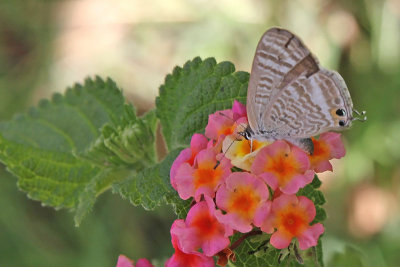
(67, 122)
(130, 143)
(315, 196)
(97, 185)
(319, 216)
(257, 252)
(54, 178)
(37, 146)
(193, 92)
(122, 150)
(151, 187)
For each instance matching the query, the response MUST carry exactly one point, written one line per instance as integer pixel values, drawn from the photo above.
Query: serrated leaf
(316, 182)
(67, 122)
(130, 143)
(257, 252)
(54, 178)
(312, 193)
(37, 146)
(319, 216)
(194, 91)
(151, 187)
(96, 186)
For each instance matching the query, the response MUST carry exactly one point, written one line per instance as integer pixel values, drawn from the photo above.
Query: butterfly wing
(275, 56)
(289, 94)
(309, 106)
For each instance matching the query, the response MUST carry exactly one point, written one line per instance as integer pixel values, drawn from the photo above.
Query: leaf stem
(243, 237)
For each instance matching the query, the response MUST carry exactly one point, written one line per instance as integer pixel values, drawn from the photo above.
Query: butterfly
(291, 96)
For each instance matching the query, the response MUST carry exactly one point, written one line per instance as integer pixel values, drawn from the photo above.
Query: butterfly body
(290, 96)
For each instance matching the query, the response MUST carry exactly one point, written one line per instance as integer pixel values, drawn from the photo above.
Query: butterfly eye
(341, 123)
(340, 112)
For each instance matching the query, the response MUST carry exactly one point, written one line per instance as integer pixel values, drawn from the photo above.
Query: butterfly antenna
(219, 162)
(362, 113)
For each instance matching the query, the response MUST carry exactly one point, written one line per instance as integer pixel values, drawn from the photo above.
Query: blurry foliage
(25, 50)
(369, 62)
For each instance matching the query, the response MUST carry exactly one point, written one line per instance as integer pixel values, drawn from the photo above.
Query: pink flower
(124, 261)
(201, 229)
(182, 259)
(239, 110)
(328, 146)
(284, 167)
(143, 263)
(198, 143)
(244, 198)
(222, 123)
(291, 216)
(204, 177)
(240, 152)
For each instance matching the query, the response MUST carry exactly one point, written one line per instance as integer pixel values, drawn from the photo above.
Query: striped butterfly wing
(308, 106)
(289, 94)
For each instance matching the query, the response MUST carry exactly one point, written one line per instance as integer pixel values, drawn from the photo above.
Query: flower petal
(198, 143)
(280, 240)
(239, 110)
(308, 206)
(219, 123)
(309, 238)
(124, 261)
(184, 181)
(143, 263)
(184, 156)
(298, 181)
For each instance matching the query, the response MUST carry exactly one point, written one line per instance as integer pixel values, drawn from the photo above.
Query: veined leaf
(38, 146)
(54, 178)
(257, 252)
(151, 187)
(70, 121)
(130, 143)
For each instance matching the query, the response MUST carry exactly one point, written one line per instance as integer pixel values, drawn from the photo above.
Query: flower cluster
(237, 185)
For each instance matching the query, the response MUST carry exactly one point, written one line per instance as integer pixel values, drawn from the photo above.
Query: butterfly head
(344, 117)
(247, 133)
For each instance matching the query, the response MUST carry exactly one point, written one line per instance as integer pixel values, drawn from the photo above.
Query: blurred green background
(46, 46)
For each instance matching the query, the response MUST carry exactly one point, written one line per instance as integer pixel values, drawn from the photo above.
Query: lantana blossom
(197, 143)
(124, 261)
(182, 259)
(201, 229)
(328, 146)
(204, 177)
(223, 123)
(283, 166)
(291, 216)
(243, 197)
(241, 152)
